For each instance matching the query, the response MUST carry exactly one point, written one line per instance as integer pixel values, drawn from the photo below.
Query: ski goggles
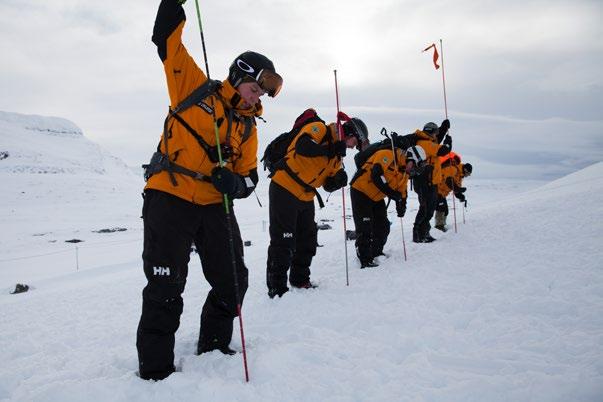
(270, 82)
(357, 132)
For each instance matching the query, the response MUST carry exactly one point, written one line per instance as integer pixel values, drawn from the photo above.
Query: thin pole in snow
(464, 214)
(444, 79)
(340, 133)
(446, 112)
(227, 211)
(397, 185)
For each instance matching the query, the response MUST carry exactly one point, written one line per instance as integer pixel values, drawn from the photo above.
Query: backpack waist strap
(307, 188)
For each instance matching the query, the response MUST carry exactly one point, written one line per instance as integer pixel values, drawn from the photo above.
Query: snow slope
(39, 144)
(57, 186)
(507, 309)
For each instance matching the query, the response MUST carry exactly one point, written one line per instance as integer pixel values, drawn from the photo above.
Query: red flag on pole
(435, 55)
(343, 117)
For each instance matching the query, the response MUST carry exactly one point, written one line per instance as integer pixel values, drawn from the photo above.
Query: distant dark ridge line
(51, 170)
(59, 132)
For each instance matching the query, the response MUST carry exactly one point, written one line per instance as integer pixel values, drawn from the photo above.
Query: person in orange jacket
(384, 174)
(453, 172)
(425, 184)
(313, 160)
(183, 197)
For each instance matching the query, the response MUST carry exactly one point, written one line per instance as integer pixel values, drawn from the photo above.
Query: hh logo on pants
(161, 271)
(287, 235)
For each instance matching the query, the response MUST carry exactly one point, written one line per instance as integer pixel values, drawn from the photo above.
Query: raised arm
(181, 72)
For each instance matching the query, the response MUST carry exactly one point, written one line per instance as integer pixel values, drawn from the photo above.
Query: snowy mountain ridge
(52, 125)
(51, 145)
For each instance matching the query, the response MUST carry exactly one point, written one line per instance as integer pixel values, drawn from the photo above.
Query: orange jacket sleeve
(181, 72)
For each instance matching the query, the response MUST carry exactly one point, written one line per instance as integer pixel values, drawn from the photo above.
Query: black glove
(460, 196)
(225, 152)
(394, 195)
(337, 148)
(335, 182)
(226, 182)
(462, 189)
(445, 126)
(417, 170)
(448, 141)
(401, 207)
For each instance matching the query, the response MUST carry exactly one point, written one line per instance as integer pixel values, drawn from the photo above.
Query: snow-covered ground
(507, 309)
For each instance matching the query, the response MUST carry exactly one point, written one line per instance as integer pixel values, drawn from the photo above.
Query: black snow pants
(427, 194)
(293, 239)
(171, 226)
(442, 205)
(372, 225)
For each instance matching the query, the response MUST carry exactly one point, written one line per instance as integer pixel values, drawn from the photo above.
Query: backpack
(450, 158)
(275, 152)
(161, 161)
(402, 142)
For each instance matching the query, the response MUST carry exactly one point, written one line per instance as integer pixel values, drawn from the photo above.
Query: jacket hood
(233, 99)
(423, 135)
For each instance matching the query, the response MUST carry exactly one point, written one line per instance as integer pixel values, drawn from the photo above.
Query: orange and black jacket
(236, 126)
(378, 177)
(433, 150)
(452, 178)
(307, 158)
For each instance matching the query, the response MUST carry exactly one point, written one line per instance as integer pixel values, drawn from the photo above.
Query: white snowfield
(507, 309)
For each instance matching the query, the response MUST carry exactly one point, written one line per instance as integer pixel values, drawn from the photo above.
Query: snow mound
(50, 145)
(583, 180)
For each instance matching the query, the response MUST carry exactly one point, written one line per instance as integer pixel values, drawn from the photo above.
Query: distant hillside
(51, 145)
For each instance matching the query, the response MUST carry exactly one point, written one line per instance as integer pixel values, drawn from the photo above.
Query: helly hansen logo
(205, 107)
(161, 271)
(287, 235)
(366, 219)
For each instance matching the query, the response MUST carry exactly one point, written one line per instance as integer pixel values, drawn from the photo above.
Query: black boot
(416, 235)
(156, 376)
(204, 347)
(380, 254)
(306, 285)
(427, 238)
(224, 349)
(368, 264)
(277, 291)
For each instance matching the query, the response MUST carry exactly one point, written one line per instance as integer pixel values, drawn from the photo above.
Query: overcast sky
(523, 77)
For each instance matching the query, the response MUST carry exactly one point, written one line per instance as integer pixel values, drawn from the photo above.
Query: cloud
(530, 60)
(89, 16)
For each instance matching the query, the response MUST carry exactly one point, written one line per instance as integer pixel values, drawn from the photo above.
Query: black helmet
(431, 128)
(356, 127)
(467, 169)
(252, 66)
